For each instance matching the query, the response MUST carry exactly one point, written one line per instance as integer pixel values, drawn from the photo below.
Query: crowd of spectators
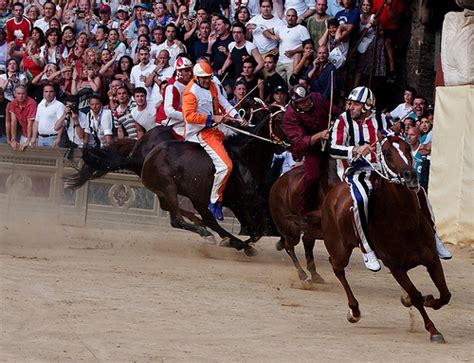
(77, 72)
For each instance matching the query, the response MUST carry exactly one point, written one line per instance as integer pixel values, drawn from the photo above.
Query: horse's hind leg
(418, 301)
(189, 215)
(310, 265)
(290, 249)
(435, 269)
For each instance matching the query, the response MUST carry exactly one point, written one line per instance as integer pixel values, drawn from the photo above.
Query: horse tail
(99, 162)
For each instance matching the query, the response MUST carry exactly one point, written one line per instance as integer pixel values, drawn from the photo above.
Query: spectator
(316, 24)
(242, 15)
(320, 74)
(18, 27)
(52, 51)
(162, 16)
(143, 113)
(3, 49)
(303, 61)
(139, 19)
(124, 68)
(84, 21)
(272, 79)
(259, 23)
(97, 124)
(199, 44)
(115, 44)
(290, 38)
(334, 6)
(171, 44)
(213, 6)
(413, 139)
(253, 81)
(105, 14)
(101, 35)
(48, 112)
(49, 11)
(280, 96)
(71, 125)
(122, 116)
(162, 73)
(389, 22)
(22, 112)
(404, 108)
(348, 20)
(240, 91)
(218, 48)
(138, 76)
(419, 106)
(371, 52)
(3, 117)
(12, 78)
(5, 14)
(304, 8)
(239, 50)
(337, 50)
(84, 85)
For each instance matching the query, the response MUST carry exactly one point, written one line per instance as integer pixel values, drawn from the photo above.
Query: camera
(74, 107)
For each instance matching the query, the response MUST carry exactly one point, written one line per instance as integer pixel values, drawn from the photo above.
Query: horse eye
(387, 154)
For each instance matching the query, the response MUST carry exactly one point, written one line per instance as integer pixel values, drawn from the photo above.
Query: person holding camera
(70, 125)
(97, 124)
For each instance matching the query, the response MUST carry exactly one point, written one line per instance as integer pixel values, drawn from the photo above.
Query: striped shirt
(124, 117)
(347, 133)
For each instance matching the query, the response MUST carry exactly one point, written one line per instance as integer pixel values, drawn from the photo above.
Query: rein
(386, 173)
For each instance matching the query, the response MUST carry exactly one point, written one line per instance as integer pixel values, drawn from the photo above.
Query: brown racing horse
(285, 200)
(399, 231)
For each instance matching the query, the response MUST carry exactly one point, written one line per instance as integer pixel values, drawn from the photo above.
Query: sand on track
(101, 295)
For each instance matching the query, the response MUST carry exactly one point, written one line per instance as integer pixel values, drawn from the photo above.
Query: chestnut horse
(399, 231)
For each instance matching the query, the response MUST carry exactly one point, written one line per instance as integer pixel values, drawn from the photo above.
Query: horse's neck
(398, 198)
(257, 155)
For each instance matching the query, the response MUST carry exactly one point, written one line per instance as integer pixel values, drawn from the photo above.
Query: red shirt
(386, 21)
(23, 113)
(18, 32)
(30, 66)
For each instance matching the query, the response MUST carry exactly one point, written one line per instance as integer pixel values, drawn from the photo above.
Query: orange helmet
(202, 69)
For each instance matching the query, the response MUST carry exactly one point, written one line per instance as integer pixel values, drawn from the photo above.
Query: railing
(32, 184)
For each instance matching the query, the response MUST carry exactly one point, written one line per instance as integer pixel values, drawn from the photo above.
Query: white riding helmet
(202, 69)
(363, 95)
(182, 63)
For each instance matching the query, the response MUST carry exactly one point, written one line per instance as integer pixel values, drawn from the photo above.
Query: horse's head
(265, 121)
(396, 160)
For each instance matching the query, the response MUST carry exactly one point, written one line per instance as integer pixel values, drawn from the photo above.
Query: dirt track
(120, 296)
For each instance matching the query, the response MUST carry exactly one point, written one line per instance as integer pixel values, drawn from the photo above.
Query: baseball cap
(143, 6)
(280, 89)
(123, 8)
(104, 7)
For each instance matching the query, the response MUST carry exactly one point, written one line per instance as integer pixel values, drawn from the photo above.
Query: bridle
(281, 109)
(386, 172)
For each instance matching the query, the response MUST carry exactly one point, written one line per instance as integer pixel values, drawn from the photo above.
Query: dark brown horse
(182, 168)
(399, 231)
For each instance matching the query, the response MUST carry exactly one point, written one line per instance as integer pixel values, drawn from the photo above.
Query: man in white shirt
(48, 112)
(71, 123)
(142, 112)
(97, 124)
(171, 44)
(49, 11)
(258, 24)
(139, 73)
(290, 38)
(304, 8)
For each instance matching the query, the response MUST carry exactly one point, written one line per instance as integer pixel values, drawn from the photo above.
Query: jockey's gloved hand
(362, 150)
(218, 119)
(243, 122)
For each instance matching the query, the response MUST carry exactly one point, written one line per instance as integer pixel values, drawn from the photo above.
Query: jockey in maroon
(305, 122)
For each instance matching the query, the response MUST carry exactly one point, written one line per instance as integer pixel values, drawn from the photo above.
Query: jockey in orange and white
(204, 107)
(170, 111)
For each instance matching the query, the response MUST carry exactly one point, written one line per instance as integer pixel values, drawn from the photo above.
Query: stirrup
(371, 261)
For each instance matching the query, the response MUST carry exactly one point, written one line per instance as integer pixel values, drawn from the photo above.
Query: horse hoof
(351, 318)
(428, 301)
(437, 338)
(210, 239)
(225, 242)
(250, 251)
(317, 279)
(307, 284)
(279, 245)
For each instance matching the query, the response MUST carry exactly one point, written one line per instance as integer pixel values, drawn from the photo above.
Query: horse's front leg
(418, 301)
(290, 249)
(435, 269)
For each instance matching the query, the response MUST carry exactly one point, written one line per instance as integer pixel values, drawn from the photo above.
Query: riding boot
(443, 253)
(216, 210)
